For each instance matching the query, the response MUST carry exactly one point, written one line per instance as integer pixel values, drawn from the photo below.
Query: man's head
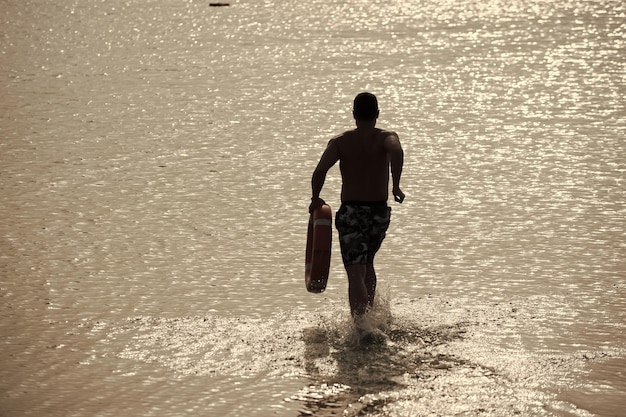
(365, 107)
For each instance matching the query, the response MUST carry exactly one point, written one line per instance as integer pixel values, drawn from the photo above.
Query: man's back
(364, 163)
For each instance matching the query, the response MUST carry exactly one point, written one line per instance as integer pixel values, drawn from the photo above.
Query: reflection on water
(156, 160)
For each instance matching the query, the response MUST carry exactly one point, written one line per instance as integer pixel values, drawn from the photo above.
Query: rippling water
(156, 160)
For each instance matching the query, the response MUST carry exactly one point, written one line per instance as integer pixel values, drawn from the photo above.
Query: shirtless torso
(364, 156)
(364, 165)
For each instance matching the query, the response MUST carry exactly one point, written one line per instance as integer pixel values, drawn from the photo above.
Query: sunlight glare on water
(156, 177)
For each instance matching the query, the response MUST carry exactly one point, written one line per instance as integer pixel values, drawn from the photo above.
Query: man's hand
(398, 195)
(315, 203)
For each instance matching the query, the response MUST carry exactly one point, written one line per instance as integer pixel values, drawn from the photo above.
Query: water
(156, 160)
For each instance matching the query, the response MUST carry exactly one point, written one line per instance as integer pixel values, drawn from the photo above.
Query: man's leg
(370, 283)
(357, 289)
(378, 229)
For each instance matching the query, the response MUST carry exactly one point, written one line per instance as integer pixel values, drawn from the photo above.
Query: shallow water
(156, 160)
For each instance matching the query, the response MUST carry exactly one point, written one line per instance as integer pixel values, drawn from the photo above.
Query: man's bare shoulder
(388, 133)
(391, 141)
(341, 136)
(341, 139)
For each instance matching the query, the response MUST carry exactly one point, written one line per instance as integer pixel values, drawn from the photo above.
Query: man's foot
(375, 338)
(366, 333)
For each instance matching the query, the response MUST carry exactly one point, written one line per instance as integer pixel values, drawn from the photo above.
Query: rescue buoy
(318, 245)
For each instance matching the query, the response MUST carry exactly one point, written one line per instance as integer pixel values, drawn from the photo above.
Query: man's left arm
(396, 158)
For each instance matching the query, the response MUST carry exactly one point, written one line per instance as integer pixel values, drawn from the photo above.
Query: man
(365, 155)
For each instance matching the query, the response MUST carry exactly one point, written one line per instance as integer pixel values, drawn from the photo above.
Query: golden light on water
(156, 170)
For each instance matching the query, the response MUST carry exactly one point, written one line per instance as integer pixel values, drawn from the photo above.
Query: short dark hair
(365, 106)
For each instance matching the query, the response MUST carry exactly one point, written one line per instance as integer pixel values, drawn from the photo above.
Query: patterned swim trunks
(362, 227)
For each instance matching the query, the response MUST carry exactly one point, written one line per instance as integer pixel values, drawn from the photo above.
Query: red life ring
(318, 244)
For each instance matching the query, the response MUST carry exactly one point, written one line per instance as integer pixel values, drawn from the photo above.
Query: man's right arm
(396, 158)
(328, 159)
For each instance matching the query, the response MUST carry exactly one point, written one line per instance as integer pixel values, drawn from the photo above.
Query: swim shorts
(362, 227)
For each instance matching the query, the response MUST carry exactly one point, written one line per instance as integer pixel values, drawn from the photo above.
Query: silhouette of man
(365, 156)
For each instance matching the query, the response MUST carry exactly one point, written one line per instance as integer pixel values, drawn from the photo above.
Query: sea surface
(155, 163)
